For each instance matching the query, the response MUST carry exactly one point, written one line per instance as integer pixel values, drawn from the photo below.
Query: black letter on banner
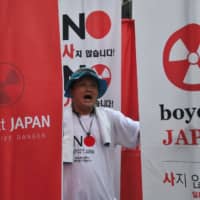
(165, 114)
(80, 31)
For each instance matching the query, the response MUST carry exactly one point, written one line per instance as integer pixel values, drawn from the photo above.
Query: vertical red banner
(131, 183)
(30, 100)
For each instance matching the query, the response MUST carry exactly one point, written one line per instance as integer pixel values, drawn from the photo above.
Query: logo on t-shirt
(84, 148)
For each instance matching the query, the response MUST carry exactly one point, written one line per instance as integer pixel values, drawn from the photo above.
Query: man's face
(84, 93)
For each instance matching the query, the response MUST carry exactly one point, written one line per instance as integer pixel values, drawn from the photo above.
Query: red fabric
(131, 187)
(30, 86)
(129, 71)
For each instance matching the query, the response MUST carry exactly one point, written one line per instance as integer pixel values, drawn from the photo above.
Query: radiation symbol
(181, 58)
(11, 84)
(103, 71)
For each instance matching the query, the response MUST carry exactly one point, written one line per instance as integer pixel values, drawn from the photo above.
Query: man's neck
(83, 111)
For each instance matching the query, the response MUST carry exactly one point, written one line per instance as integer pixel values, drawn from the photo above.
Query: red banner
(131, 183)
(30, 100)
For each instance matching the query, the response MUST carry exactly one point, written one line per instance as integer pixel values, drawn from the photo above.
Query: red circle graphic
(98, 24)
(181, 58)
(89, 141)
(11, 84)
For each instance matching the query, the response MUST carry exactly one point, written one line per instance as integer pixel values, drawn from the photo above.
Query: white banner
(90, 36)
(168, 60)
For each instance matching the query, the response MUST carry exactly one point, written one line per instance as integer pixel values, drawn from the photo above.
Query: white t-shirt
(90, 176)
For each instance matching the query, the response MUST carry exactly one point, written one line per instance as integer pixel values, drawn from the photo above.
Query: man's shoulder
(67, 110)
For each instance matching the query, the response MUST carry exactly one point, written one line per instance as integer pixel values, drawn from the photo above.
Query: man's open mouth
(87, 96)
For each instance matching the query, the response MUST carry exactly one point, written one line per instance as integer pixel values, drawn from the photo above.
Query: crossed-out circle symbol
(11, 84)
(103, 71)
(181, 58)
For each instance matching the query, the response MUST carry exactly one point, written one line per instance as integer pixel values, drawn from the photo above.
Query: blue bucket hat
(83, 72)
